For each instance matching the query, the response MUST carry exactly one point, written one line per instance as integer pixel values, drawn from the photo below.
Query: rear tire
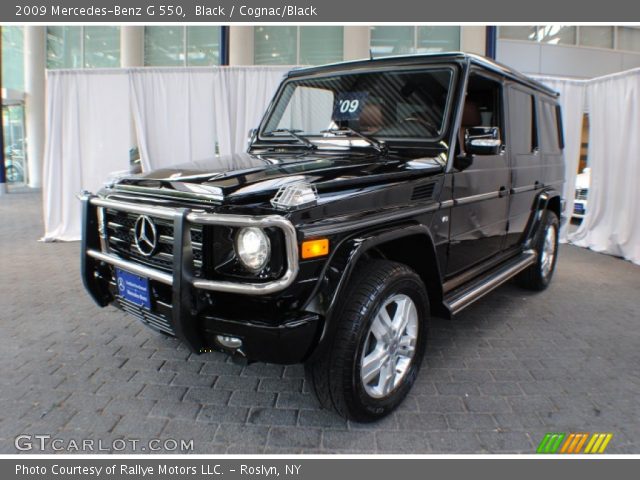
(377, 348)
(538, 276)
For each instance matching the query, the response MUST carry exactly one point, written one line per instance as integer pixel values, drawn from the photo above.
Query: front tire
(377, 348)
(538, 276)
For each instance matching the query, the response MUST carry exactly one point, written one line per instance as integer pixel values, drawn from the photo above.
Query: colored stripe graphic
(572, 443)
(598, 443)
(550, 443)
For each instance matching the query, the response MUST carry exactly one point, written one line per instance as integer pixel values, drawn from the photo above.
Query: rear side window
(549, 127)
(522, 123)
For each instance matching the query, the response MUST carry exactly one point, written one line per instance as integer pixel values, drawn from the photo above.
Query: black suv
(374, 195)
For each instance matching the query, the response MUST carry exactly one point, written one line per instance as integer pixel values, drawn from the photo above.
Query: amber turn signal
(315, 248)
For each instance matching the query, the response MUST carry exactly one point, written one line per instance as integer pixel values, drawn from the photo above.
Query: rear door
(526, 160)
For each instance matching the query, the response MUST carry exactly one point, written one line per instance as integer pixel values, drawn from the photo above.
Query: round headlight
(253, 248)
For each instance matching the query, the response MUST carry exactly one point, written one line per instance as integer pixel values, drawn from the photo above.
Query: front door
(481, 190)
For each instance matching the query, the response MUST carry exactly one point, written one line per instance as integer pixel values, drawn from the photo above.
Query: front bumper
(180, 312)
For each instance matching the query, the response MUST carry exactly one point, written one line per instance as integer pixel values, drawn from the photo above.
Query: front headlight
(253, 248)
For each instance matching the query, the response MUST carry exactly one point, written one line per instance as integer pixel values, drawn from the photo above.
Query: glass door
(14, 144)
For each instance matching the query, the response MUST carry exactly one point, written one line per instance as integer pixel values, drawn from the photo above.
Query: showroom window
(280, 45)
(182, 46)
(402, 40)
(557, 34)
(83, 47)
(598, 36)
(629, 39)
(12, 58)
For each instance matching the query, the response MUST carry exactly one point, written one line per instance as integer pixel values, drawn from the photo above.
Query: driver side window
(482, 105)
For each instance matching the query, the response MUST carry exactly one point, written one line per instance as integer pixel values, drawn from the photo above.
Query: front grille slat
(151, 319)
(121, 239)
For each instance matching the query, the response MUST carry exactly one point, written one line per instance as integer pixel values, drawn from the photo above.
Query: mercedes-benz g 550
(374, 195)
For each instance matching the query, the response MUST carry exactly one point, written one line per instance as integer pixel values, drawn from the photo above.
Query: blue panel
(133, 288)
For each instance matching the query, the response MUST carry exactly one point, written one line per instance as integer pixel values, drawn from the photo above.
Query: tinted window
(521, 121)
(548, 127)
(483, 103)
(401, 104)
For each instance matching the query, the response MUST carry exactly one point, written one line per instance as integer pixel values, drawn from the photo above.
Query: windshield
(401, 104)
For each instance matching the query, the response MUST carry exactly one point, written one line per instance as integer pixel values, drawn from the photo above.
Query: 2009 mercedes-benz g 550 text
(374, 195)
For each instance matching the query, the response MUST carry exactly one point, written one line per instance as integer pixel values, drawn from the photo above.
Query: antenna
(370, 54)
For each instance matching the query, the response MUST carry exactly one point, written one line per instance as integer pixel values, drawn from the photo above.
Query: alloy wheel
(389, 346)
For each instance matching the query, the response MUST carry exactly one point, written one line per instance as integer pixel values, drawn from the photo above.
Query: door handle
(502, 192)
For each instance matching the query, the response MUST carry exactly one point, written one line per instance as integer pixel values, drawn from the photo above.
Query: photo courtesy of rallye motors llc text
(142, 471)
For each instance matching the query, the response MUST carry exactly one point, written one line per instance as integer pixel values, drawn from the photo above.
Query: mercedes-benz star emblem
(145, 235)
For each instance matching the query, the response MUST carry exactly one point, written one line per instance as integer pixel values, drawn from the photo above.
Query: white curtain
(249, 91)
(572, 101)
(181, 114)
(175, 115)
(612, 221)
(88, 137)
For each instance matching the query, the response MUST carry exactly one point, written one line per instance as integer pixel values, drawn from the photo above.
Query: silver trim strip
(136, 268)
(459, 303)
(524, 188)
(276, 221)
(170, 194)
(476, 198)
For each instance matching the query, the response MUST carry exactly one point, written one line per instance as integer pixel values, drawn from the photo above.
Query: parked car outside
(583, 180)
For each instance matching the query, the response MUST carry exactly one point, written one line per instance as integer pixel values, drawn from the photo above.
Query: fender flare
(541, 205)
(345, 258)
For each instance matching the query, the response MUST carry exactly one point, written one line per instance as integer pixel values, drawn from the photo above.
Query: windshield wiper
(379, 146)
(295, 134)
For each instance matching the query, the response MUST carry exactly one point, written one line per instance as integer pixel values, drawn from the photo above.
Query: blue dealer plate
(133, 288)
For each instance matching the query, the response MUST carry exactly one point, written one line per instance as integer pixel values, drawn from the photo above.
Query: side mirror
(482, 141)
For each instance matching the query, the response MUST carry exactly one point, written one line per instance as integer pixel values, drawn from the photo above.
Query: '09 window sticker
(348, 105)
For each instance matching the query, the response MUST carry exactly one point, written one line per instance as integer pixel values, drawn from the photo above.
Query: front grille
(582, 193)
(154, 320)
(119, 227)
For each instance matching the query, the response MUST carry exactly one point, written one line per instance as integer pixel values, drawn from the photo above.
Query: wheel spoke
(402, 316)
(371, 365)
(387, 377)
(381, 326)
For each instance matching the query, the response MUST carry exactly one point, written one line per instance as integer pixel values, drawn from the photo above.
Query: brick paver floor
(507, 370)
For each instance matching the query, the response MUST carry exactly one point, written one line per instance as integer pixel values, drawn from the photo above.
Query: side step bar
(466, 294)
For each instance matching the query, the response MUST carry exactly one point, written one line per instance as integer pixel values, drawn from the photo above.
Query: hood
(244, 175)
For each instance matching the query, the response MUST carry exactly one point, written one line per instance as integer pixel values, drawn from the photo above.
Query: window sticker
(348, 105)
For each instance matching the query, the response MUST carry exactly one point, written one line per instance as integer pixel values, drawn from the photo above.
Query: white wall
(356, 42)
(473, 39)
(565, 61)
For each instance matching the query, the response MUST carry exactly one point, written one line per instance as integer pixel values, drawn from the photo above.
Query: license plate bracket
(133, 288)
